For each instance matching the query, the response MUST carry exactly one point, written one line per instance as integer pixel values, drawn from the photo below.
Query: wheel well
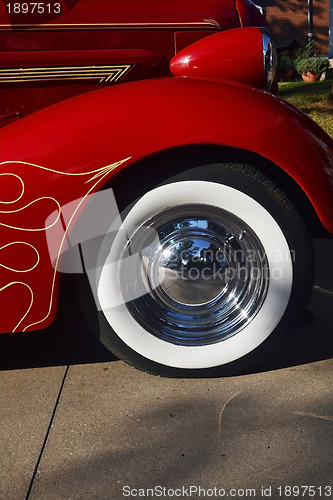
(155, 168)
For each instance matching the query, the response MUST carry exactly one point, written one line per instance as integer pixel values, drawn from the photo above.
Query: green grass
(314, 99)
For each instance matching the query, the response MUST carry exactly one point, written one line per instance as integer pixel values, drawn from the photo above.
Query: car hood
(163, 14)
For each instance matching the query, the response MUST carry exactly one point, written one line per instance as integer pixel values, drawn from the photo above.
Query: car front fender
(64, 153)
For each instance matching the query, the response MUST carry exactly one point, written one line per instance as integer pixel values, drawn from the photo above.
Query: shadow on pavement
(69, 340)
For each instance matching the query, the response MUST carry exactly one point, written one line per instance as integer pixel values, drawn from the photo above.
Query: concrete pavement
(78, 424)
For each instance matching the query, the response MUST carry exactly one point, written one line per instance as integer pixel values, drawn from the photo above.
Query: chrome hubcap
(199, 280)
(189, 270)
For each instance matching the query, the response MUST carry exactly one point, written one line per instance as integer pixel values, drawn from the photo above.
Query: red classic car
(141, 144)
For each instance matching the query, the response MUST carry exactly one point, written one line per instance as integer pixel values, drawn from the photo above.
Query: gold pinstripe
(101, 73)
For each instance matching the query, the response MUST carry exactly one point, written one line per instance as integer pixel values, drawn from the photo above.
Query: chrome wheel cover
(201, 280)
(132, 260)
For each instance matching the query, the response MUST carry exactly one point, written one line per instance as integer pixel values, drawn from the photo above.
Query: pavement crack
(313, 415)
(47, 435)
(219, 429)
(323, 290)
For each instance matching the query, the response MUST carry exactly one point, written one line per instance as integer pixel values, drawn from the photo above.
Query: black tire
(212, 269)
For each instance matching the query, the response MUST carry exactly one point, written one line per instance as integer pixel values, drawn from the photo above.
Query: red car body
(89, 44)
(73, 148)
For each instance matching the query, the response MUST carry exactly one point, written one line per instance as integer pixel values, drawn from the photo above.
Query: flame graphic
(32, 260)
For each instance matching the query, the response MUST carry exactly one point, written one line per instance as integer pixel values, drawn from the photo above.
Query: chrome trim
(204, 24)
(109, 73)
(269, 57)
(256, 6)
(194, 284)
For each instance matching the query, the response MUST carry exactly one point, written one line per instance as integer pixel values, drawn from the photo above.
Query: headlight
(243, 55)
(269, 53)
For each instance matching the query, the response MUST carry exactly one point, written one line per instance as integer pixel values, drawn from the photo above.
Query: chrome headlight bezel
(269, 57)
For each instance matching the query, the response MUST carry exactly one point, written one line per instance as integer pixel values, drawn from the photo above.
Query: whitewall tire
(201, 275)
